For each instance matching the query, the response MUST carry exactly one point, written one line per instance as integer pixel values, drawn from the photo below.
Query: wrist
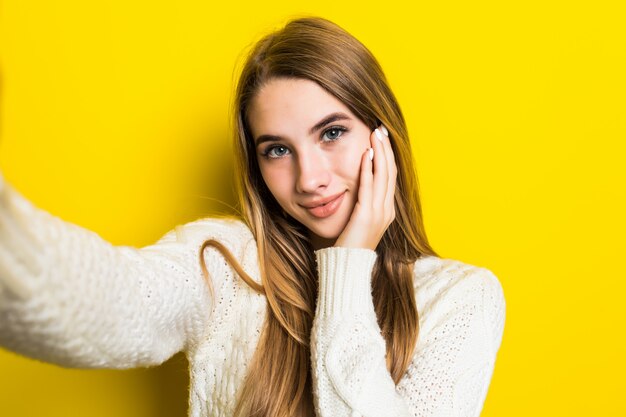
(354, 243)
(345, 276)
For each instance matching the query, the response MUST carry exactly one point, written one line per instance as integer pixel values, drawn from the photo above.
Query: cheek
(348, 161)
(277, 181)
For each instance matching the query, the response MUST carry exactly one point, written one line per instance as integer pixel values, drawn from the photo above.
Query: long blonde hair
(278, 382)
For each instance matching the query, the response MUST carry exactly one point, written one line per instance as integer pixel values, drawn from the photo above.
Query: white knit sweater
(71, 298)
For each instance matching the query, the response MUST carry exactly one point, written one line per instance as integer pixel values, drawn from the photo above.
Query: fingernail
(378, 134)
(385, 131)
(371, 154)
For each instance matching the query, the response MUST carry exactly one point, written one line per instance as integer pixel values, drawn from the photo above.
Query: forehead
(290, 106)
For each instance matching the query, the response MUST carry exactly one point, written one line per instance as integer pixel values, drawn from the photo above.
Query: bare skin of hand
(375, 209)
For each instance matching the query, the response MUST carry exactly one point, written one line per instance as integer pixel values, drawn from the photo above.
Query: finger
(393, 173)
(365, 180)
(386, 198)
(381, 173)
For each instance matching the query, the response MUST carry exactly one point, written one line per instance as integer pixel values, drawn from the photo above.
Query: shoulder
(186, 240)
(230, 231)
(441, 274)
(446, 287)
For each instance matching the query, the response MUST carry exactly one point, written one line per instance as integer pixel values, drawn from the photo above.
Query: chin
(324, 234)
(326, 231)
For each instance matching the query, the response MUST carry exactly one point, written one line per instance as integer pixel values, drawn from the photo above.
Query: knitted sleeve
(453, 361)
(350, 376)
(70, 298)
(461, 328)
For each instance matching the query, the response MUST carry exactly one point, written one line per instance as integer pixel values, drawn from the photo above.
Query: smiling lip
(326, 206)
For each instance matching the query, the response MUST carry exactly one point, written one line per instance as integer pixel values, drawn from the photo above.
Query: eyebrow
(333, 117)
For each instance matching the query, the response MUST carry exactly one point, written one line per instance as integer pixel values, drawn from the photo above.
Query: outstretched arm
(71, 298)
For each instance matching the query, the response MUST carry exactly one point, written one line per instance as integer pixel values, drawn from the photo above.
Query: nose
(312, 172)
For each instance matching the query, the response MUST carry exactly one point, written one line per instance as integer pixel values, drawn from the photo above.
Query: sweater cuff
(345, 280)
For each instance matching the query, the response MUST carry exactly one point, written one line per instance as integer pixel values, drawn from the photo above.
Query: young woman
(324, 298)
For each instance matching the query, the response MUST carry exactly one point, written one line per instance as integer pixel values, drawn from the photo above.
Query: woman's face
(309, 148)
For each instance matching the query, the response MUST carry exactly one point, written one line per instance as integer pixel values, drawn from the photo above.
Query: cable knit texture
(70, 298)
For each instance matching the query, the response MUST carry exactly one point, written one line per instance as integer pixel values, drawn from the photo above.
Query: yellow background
(114, 117)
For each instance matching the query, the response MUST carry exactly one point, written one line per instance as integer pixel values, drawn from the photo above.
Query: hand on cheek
(374, 210)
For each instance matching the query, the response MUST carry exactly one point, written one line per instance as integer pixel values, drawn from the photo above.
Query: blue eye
(334, 133)
(278, 151)
(275, 151)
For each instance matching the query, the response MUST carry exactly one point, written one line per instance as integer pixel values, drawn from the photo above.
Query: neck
(321, 242)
